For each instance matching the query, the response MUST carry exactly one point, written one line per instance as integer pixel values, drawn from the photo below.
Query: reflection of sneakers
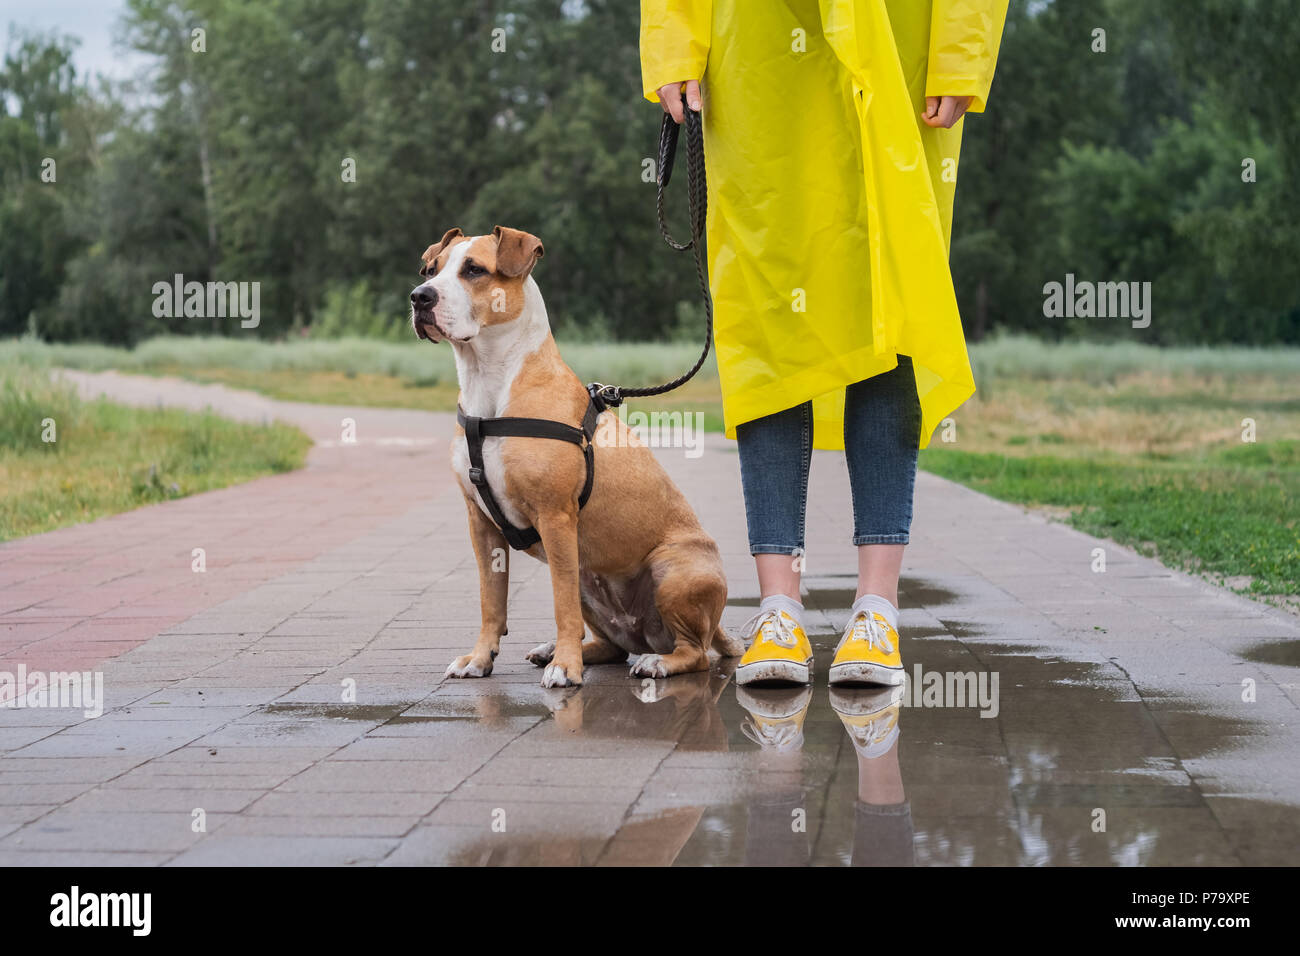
(870, 717)
(780, 652)
(868, 653)
(775, 720)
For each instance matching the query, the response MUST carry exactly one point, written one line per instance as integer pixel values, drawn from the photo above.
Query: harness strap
(476, 429)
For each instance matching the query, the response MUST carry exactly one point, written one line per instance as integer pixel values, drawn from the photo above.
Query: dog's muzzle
(423, 299)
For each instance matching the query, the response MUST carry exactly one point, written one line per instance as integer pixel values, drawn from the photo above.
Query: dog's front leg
(559, 532)
(493, 556)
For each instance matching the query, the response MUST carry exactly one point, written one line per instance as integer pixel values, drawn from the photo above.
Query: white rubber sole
(859, 672)
(867, 702)
(786, 672)
(775, 703)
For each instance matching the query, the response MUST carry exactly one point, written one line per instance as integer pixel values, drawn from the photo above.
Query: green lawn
(1234, 515)
(107, 458)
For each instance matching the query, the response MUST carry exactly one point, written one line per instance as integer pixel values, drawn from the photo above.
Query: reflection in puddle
(778, 831)
(360, 712)
(1072, 767)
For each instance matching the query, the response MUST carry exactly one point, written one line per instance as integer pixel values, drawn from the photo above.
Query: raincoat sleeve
(674, 42)
(964, 40)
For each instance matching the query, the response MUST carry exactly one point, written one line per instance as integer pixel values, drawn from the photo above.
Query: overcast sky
(91, 21)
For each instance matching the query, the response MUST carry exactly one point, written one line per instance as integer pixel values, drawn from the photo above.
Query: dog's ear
(517, 252)
(432, 252)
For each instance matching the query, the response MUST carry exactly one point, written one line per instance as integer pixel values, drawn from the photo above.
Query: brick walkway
(225, 689)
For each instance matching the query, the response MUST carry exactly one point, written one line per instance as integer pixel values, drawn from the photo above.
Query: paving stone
(80, 858)
(265, 850)
(184, 799)
(320, 826)
(65, 829)
(281, 803)
(390, 776)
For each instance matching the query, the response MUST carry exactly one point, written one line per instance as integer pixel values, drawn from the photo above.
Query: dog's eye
(473, 269)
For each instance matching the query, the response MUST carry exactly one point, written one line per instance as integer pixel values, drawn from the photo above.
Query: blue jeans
(882, 428)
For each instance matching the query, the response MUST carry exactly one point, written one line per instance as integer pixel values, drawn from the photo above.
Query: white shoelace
(779, 736)
(773, 627)
(865, 627)
(864, 735)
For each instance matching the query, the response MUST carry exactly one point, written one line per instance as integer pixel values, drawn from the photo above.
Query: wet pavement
(866, 777)
(295, 712)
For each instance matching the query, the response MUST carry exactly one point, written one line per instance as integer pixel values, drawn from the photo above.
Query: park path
(83, 594)
(1121, 689)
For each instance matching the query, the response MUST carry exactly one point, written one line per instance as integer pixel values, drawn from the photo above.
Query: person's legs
(882, 426)
(882, 422)
(775, 453)
(777, 574)
(878, 568)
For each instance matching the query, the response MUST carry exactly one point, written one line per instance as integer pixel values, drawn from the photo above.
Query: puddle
(913, 592)
(924, 593)
(365, 713)
(830, 599)
(993, 754)
(1274, 652)
(807, 777)
(921, 632)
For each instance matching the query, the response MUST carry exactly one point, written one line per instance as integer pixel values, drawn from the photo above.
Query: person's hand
(945, 111)
(670, 98)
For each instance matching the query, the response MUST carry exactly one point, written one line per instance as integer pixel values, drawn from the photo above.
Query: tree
(43, 169)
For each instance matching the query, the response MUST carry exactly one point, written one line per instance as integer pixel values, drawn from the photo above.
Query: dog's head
(472, 281)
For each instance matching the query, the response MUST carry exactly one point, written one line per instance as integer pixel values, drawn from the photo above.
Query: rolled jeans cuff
(859, 539)
(786, 549)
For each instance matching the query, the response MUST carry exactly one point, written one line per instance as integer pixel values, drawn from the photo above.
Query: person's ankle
(878, 605)
(782, 602)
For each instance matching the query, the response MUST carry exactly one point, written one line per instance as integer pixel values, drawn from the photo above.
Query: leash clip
(605, 396)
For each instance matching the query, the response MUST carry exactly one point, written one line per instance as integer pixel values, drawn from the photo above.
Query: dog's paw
(565, 705)
(555, 675)
(647, 691)
(541, 654)
(649, 665)
(468, 666)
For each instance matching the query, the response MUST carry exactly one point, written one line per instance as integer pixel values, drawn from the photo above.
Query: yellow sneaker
(868, 653)
(775, 720)
(870, 717)
(780, 652)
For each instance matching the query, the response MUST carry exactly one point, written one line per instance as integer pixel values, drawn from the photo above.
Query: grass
(1095, 363)
(107, 458)
(1138, 444)
(414, 364)
(1235, 518)
(1157, 456)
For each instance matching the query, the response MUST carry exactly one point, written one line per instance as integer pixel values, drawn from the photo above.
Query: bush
(27, 400)
(356, 311)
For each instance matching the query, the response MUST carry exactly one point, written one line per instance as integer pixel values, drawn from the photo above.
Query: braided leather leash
(697, 204)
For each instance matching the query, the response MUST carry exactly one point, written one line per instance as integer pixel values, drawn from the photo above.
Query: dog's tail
(727, 645)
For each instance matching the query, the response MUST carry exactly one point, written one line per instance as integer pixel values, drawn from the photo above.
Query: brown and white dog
(634, 564)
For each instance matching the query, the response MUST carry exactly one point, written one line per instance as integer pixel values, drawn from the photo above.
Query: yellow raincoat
(830, 202)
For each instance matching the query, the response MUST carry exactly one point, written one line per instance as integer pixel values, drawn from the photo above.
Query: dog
(633, 564)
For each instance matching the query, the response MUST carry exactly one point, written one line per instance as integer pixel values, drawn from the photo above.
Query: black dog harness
(476, 429)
